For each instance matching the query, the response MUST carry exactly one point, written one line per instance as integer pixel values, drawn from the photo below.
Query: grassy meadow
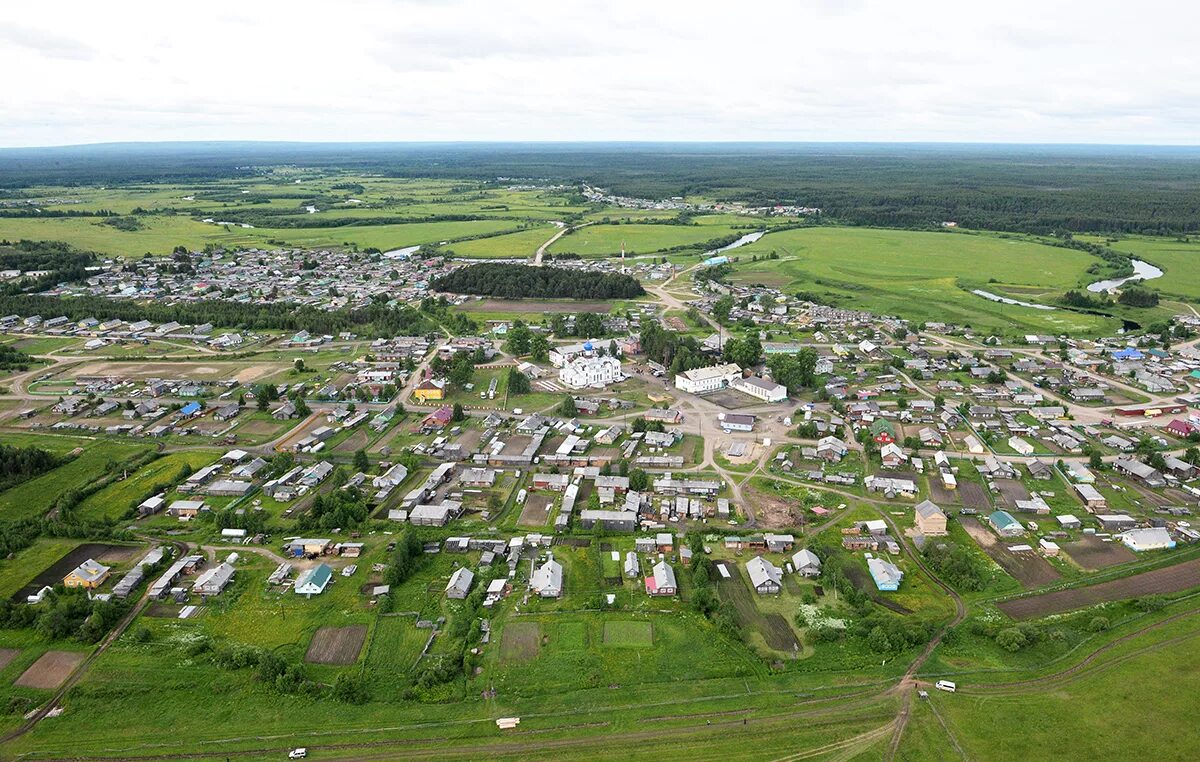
(925, 276)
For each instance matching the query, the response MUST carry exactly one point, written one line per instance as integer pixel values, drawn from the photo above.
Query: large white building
(701, 380)
(767, 391)
(594, 372)
(563, 354)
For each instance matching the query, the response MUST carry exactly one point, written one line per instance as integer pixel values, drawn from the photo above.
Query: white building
(701, 380)
(760, 388)
(594, 372)
(563, 354)
(1153, 538)
(547, 580)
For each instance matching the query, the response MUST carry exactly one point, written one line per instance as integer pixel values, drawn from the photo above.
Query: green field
(114, 500)
(524, 243)
(605, 240)
(1180, 262)
(925, 276)
(36, 496)
(161, 234)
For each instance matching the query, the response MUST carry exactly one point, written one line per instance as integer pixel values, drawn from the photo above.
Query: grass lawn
(628, 633)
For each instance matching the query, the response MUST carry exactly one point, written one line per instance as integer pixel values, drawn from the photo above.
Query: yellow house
(90, 574)
(430, 390)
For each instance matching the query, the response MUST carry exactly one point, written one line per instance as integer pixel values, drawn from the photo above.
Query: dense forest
(508, 281)
(19, 464)
(1029, 188)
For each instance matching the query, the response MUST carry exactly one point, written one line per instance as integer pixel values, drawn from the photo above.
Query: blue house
(1005, 525)
(190, 409)
(887, 575)
(1130, 353)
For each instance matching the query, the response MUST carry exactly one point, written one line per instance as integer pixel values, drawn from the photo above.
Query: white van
(945, 685)
(300, 753)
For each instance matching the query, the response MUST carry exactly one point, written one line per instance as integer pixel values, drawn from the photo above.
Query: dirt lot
(520, 642)
(336, 645)
(1170, 579)
(516, 444)
(216, 371)
(536, 511)
(941, 495)
(1011, 491)
(771, 511)
(1030, 569)
(53, 574)
(7, 655)
(731, 399)
(49, 671)
(1092, 553)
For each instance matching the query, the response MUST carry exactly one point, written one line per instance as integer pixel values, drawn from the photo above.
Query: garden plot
(520, 642)
(774, 628)
(630, 633)
(336, 645)
(1011, 491)
(50, 670)
(1171, 579)
(1030, 569)
(1093, 553)
(536, 511)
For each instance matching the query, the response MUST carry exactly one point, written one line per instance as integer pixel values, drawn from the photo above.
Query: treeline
(376, 320)
(1138, 297)
(12, 358)
(65, 613)
(675, 351)
(511, 281)
(19, 464)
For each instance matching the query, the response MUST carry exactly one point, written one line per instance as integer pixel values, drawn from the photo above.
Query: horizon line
(595, 142)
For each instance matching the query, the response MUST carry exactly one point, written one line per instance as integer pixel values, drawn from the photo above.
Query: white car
(300, 753)
(945, 685)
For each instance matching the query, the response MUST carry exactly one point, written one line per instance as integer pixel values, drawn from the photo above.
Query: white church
(591, 372)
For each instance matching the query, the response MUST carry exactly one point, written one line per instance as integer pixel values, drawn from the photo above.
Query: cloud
(1030, 70)
(44, 43)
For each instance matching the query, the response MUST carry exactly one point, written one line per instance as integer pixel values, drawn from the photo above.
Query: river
(407, 251)
(1006, 300)
(748, 238)
(1141, 271)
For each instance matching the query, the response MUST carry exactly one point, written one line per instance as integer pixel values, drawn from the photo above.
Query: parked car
(945, 685)
(300, 753)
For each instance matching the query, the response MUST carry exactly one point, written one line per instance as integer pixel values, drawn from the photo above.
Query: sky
(422, 70)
